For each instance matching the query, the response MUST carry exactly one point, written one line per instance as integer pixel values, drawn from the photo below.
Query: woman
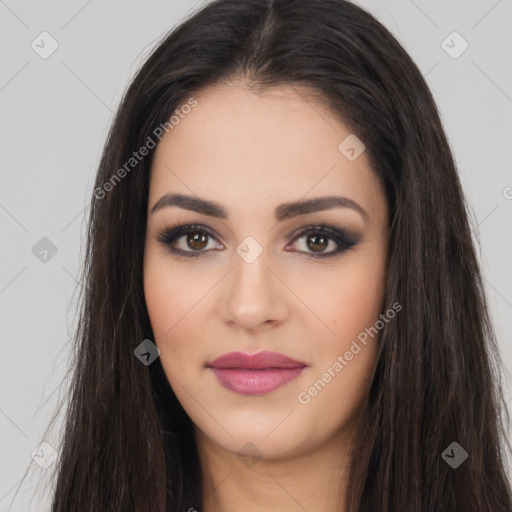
(283, 308)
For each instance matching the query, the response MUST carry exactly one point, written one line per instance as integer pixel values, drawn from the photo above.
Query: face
(263, 269)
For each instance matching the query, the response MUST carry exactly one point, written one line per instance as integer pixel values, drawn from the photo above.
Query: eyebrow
(282, 212)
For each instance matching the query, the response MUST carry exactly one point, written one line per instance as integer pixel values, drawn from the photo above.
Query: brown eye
(324, 241)
(192, 241)
(197, 241)
(317, 243)
(188, 240)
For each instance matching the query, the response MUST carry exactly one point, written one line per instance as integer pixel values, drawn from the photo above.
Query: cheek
(346, 299)
(359, 301)
(350, 305)
(175, 300)
(165, 299)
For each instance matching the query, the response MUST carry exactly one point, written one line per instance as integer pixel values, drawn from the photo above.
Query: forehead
(275, 145)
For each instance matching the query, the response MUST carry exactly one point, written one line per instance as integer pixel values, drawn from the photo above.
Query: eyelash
(342, 238)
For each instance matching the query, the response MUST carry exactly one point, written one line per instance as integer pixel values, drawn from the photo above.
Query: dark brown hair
(128, 444)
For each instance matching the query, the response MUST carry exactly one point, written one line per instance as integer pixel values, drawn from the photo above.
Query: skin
(250, 153)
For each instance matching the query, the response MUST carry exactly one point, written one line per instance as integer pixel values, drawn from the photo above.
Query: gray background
(54, 118)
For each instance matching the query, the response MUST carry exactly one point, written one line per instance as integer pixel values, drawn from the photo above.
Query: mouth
(255, 374)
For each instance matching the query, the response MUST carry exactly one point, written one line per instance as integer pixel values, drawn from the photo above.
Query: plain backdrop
(55, 113)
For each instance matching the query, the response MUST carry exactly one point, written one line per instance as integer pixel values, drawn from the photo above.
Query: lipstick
(255, 374)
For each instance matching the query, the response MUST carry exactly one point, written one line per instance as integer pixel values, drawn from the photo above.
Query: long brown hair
(128, 444)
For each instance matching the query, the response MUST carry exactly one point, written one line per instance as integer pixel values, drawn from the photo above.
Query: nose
(255, 298)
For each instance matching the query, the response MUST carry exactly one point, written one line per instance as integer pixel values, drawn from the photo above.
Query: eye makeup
(199, 234)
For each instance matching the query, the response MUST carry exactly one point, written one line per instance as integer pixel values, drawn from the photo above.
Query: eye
(318, 238)
(195, 239)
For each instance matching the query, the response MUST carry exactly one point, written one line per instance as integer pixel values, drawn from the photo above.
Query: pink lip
(255, 374)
